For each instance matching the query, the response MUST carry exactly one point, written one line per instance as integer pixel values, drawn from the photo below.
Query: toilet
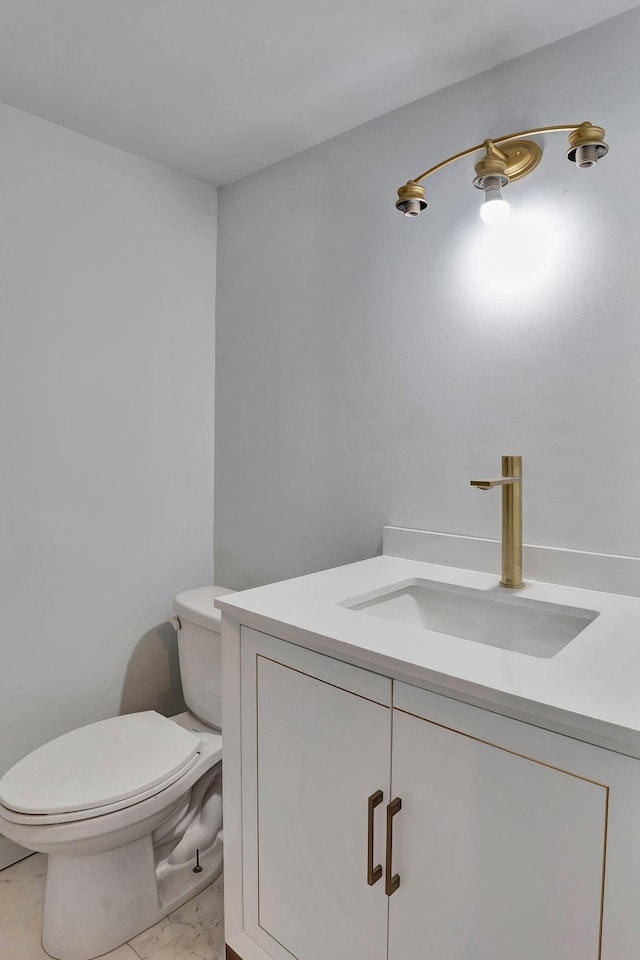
(128, 809)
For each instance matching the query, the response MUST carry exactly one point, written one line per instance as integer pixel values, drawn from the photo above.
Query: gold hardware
(493, 164)
(373, 873)
(520, 156)
(586, 145)
(523, 156)
(517, 159)
(391, 883)
(411, 199)
(511, 483)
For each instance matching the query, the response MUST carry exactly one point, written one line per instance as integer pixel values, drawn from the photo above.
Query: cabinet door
(500, 855)
(315, 747)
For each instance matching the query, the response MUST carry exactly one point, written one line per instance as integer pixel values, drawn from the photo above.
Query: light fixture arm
(497, 142)
(507, 159)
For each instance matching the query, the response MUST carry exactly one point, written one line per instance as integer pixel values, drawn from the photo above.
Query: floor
(193, 932)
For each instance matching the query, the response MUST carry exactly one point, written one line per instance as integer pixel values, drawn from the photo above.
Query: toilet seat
(100, 768)
(111, 875)
(34, 830)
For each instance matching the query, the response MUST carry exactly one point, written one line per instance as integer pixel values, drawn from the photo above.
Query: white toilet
(129, 809)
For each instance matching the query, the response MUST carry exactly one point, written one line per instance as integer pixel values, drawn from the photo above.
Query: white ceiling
(220, 88)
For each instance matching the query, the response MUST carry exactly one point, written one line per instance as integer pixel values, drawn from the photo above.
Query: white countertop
(590, 690)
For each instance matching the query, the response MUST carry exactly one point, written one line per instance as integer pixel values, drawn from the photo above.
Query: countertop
(590, 690)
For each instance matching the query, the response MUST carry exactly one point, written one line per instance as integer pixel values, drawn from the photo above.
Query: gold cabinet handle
(373, 873)
(391, 883)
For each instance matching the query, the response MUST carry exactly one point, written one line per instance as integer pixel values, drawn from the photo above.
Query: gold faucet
(511, 483)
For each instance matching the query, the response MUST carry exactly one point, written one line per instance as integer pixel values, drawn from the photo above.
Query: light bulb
(495, 210)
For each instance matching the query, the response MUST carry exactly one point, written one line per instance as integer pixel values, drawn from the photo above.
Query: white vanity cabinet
(494, 839)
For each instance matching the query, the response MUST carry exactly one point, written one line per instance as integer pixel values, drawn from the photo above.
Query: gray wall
(107, 273)
(368, 365)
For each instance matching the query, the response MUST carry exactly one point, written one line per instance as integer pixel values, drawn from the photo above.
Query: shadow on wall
(152, 680)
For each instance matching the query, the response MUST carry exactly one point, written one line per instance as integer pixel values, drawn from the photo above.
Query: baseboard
(230, 953)
(11, 852)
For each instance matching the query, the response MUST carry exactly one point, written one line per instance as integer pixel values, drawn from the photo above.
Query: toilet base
(93, 904)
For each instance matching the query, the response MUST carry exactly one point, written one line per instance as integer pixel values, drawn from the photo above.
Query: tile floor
(193, 932)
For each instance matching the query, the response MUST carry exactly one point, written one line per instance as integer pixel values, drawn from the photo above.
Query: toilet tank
(199, 649)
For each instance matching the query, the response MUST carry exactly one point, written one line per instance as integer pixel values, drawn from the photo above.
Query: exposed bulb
(495, 212)
(495, 209)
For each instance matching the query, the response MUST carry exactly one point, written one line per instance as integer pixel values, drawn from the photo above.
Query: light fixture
(507, 159)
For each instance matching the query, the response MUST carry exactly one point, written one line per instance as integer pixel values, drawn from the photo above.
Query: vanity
(421, 764)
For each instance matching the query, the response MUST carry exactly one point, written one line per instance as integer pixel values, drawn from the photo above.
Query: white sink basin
(496, 618)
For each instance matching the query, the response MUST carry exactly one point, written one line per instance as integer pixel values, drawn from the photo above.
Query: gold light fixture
(507, 159)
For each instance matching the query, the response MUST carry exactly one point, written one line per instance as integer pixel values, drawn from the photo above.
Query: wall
(107, 273)
(368, 366)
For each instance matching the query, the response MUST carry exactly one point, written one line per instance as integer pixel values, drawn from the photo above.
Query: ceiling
(218, 89)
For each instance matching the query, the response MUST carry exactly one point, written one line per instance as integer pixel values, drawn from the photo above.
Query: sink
(494, 618)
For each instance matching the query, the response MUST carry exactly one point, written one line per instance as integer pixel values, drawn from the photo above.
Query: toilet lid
(102, 763)
(197, 607)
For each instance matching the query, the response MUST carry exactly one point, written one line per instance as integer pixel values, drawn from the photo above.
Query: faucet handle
(511, 473)
(495, 482)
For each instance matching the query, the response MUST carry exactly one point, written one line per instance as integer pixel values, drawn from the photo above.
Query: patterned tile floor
(193, 932)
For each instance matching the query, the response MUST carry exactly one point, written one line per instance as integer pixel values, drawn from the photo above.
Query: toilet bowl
(129, 809)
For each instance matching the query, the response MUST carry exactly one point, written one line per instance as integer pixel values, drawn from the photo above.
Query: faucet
(511, 483)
